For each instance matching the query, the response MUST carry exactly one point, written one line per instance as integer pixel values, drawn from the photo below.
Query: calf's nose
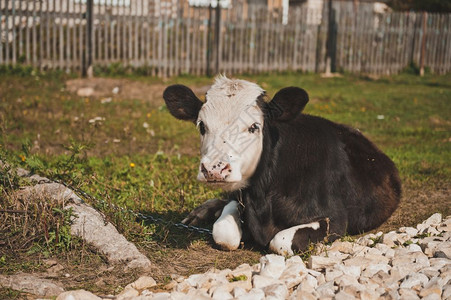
(216, 172)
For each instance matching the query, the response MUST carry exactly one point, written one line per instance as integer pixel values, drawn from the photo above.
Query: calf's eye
(201, 127)
(254, 128)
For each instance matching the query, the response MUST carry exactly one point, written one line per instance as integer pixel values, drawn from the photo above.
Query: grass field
(126, 149)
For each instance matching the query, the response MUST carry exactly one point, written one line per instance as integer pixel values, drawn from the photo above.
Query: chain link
(145, 217)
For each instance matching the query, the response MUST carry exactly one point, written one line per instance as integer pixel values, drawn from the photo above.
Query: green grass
(141, 158)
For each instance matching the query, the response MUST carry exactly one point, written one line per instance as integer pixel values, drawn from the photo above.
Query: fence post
(209, 44)
(423, 44)
(217, 34)
(87, 61)
(331, 44)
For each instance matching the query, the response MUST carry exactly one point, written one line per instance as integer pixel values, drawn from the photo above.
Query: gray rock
(55, 191)
(91, 226)
(31, 284)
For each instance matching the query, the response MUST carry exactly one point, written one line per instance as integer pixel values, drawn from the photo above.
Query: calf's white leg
(283, 241)
(227, 231)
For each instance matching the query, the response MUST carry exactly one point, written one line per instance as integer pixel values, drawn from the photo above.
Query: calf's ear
(181, 102)
(287, 104)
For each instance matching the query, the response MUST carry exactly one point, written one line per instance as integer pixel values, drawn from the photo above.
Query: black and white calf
(293, 178)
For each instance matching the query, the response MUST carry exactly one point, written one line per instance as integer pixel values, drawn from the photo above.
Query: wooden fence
(170, 40)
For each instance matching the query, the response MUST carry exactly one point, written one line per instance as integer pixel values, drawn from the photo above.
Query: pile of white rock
(410, 263)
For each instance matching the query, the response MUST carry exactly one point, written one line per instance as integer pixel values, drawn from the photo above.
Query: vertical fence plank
(7, 61)
(2, 16)
(34, 40)
(21, 28)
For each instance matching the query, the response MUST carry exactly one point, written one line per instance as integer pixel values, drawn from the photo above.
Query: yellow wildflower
(132, 165)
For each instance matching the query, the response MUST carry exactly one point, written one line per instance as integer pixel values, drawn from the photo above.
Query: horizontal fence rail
(171, 38)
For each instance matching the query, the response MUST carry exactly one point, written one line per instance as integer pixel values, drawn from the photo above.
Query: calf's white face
(230, 124)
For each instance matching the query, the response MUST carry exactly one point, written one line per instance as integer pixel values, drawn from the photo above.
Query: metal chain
(138, 215)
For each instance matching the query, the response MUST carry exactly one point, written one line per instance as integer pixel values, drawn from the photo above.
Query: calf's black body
(310, 170)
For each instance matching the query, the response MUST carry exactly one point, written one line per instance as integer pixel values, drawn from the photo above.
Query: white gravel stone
(238, 291)
(446, 294)
(369, 295)
(435, 219)
(77, 295)
(159, 296)
(390, 238)
(359, 261)
(309, 284)
(432, 297)
(332, 274)
(350, 270)
(414, 248)
(342, 295)
(302, 295)
(443, 250)
(254, 294)
(374, 268)
(260, 281)
(319, 262)
(143, 282)
(414, 280)
(408, 294)
(222, 293)
(272, 265)
(275, 291)
(434, 286)
(326, 289)
(409, 230)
